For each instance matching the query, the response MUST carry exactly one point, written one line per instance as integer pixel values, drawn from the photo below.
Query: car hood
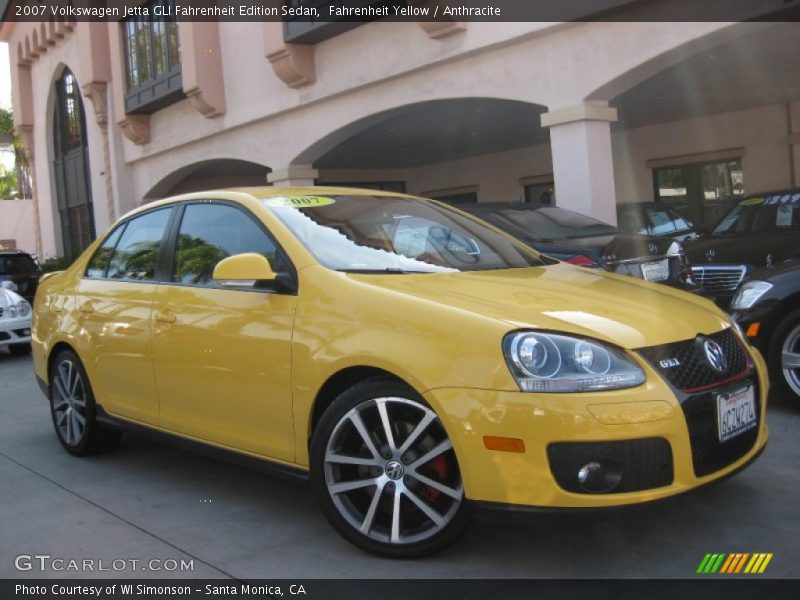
(618, 309)
(9, 298)
(734, 249)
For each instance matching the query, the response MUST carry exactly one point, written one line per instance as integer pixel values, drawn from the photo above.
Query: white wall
(16, 223)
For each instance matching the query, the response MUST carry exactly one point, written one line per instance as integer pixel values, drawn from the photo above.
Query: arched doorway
(71, 167)
(211, 174)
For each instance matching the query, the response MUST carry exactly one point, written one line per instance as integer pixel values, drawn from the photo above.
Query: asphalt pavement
(143, 509)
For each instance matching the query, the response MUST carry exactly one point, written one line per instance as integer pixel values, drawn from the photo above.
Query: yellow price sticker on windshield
(751, 201)
(299, 201)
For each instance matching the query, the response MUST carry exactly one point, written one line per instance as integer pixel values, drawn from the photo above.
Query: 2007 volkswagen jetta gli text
(413, 361)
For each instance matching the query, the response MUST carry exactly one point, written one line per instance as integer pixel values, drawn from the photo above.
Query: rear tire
(784, 352)
(20, 349)
(385, 473)
(73, 409)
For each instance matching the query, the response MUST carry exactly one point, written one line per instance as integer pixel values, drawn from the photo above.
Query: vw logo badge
(394, 470)
(715, 356)
(653, 248)
(710, 254)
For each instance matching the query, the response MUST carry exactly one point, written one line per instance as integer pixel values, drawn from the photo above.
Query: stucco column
(298, 175)
(583, 164)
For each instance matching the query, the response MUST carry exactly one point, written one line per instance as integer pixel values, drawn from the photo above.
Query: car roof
(14, 251)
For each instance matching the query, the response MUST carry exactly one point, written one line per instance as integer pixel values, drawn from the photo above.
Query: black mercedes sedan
(581, 240)
(749, 236)
(655, 219)
(767, 306)
(19, 268)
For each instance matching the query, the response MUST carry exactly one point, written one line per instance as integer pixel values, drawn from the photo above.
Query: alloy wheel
(69, 403)
(790, 359)
(391, 471)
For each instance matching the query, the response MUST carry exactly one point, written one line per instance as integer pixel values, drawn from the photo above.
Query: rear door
(223, 356)
(113, 306)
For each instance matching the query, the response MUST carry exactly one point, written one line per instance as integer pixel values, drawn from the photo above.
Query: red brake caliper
(438, 464)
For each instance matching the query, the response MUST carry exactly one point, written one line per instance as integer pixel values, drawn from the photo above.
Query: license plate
(655, 271)
(736, 412)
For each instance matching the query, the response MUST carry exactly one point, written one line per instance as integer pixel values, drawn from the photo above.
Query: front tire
(784, 355)
(385, 472)
(73, 409)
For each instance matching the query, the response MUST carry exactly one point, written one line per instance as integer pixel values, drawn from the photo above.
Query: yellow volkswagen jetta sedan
(411, 360)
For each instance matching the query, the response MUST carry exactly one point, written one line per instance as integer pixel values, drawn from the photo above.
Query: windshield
(551, 223)
(396, 235)
(769, 214)
(17, 264)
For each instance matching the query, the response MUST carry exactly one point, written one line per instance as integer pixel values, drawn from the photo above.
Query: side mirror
(243, 271)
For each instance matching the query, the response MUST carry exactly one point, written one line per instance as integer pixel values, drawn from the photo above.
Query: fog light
(599, 476)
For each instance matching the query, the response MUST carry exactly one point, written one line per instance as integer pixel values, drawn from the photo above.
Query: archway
(209, 175)
(428, 147)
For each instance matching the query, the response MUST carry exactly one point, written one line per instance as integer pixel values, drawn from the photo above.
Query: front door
(71, 167)
(223, 357)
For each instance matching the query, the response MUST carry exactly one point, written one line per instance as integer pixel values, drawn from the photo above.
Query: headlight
(23, 309)
(749, 294)
(11, 311)
(675, 249)
(547, 362)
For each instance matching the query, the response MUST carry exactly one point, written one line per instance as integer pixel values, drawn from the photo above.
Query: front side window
(210, 233)
(136, 253)
(152, 58)
(396, 235)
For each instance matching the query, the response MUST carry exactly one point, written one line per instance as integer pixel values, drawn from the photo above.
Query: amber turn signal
(753, 330)
(503, 444)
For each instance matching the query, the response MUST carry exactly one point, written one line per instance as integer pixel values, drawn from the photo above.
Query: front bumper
(15, 331)
(525, 479)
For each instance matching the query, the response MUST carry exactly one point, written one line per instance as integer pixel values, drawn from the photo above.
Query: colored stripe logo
(733, 563)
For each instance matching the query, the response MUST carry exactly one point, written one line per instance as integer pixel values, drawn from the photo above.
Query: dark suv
(758, 230)
(20, 268)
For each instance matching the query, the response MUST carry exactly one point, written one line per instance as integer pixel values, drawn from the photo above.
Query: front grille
(2, 310)
(718, 279)
(708, 453)
(685, 365)
(645, 464)
(4, 336)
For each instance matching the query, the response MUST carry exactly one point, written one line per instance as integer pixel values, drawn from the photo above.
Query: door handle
(87, 307)
(165, 317)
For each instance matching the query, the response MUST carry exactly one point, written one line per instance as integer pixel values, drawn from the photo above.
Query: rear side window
(136, 253)
(98, 266)
(212, 232)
